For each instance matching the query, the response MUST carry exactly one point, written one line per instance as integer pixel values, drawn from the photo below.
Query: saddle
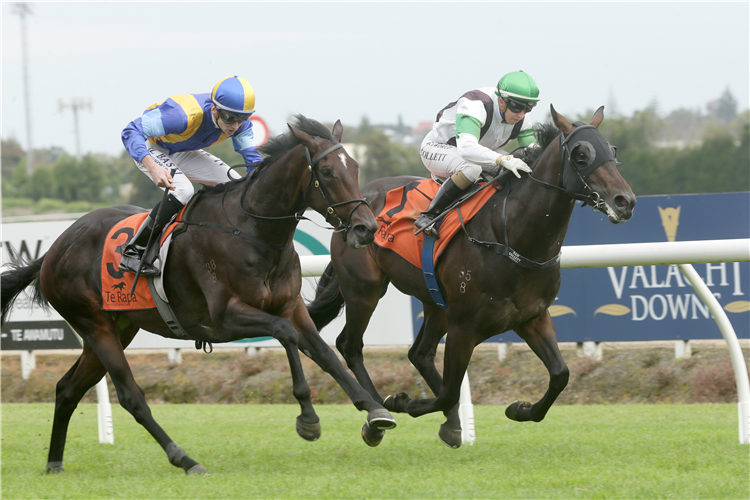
(403, 206)
(117, 285)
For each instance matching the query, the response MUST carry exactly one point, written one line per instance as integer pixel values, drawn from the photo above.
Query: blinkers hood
(600, 152)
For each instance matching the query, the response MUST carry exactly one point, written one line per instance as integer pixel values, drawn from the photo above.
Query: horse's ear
(338, 130)
(304, 138)
(560, 121)
(598, 117)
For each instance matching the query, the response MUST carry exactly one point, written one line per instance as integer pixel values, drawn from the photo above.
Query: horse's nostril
(363, 230)
(621, 201)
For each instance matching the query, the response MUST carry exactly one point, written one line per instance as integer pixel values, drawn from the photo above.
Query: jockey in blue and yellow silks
(170, 135)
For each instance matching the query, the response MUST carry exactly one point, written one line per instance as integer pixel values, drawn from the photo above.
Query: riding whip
(150, 236)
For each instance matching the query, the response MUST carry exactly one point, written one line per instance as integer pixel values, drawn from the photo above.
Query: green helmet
(519, 86)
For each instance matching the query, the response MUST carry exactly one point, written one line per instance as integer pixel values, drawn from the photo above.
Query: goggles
(230, 118)
(517, 106)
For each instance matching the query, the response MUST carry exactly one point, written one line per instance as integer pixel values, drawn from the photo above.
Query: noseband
(574, 176)
(313, 163)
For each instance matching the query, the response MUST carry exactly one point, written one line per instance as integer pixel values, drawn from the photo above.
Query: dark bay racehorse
(486, 292)
(252, 288)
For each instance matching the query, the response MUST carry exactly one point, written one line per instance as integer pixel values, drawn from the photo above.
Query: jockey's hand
(159, 175)
(512, 164)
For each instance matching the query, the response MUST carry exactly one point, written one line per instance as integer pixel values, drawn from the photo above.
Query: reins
(593, 198)
(299, 216)
(503, 248)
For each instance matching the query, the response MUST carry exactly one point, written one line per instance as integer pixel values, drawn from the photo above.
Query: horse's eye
(326, 172)
(581, 155)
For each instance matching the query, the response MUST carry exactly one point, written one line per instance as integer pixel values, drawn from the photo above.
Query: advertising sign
(651, 302)
(656, 302)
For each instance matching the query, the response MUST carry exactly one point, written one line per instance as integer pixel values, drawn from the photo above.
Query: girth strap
(428, 269)
(165, 311)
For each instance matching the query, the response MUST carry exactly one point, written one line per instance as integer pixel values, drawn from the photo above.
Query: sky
(384, 61)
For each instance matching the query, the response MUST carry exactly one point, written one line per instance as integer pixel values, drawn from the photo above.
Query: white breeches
(197, 166)
(443, 160)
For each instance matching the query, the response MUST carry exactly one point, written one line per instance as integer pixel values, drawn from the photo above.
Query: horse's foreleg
(238, 320)
(362, 284)
(308, 423)
(422, 356)
(107, 347)
(540, 335)
(319, 351)
(456, 360)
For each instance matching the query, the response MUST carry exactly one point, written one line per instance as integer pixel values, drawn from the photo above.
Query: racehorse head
(333, 189)
(590, 167)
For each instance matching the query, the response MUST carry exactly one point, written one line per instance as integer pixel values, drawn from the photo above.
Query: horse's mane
(545, 134)
(278, 146)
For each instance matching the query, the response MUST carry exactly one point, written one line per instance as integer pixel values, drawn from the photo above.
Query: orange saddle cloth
(116, 284)
(403, 206)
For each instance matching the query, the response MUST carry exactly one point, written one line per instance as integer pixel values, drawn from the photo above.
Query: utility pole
(23, 9)
(75, 105)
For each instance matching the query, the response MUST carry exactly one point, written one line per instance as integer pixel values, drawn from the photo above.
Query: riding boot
(133, 253)
(446, 195)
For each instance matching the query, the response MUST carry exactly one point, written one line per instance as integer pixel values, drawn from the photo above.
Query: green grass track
(252, 451)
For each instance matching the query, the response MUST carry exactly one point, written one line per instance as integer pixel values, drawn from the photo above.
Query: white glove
(512, 164)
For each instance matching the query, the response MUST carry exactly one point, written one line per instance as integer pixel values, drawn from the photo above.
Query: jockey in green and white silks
(468, 135)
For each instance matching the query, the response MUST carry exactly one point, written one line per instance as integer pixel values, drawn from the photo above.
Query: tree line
(684, 152)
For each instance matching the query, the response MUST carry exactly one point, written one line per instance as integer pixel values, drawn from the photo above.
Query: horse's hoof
(397, 403)
(450, 437)
(513, 410)
(381, 419)
(197, 470)
(55, 467)
(388, 402)
(372, 436)
(309, 432)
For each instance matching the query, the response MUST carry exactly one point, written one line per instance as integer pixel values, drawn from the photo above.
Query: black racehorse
(486, 292)
(245, 229)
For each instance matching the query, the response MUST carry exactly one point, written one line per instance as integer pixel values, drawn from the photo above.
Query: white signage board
(391, 324)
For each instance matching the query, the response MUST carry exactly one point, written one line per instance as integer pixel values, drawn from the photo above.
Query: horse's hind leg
(82, 376)
(540, 335)
(100, 334)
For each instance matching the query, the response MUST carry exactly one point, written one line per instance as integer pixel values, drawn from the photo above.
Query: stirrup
(131, 261)
(425, 224)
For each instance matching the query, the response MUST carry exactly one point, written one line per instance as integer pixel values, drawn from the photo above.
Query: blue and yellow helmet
(235, 95)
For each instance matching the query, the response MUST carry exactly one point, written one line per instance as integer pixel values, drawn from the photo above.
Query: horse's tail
(15, 280)
(328, 301)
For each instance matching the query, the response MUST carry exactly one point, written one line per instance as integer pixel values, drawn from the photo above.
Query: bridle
(574, 181)
(574, 176)
(343, 227)
(313, 163)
